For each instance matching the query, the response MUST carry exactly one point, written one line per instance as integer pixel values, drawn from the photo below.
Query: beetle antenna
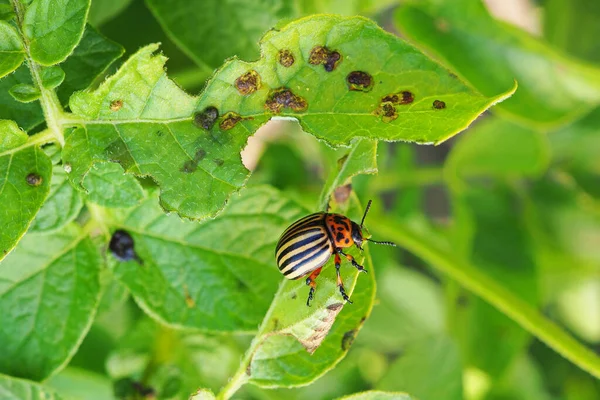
(365, 214)
(386, 243)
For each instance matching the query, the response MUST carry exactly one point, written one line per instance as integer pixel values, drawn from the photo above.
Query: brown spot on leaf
(34, 179)
(159, 133)
(348, 339)
(189, 301)
(116, 105)
(341, 193)
(286, 58)
(283, 97)
(321, 55)
(404, 97)
(230, 120)
(359, 81)
(206, 118)
(248, 83)
(387, 112)
(439, 105)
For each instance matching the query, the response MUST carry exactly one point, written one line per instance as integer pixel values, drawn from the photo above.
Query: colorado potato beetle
(307, 244)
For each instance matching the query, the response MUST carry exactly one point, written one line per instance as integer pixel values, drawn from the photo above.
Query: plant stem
(51, 106)
(498, 296)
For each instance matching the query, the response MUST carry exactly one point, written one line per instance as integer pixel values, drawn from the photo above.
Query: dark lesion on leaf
(286, 58)
(248, 83)
(342, 193)
(321, 55)
(387, 111)
(218, 161)
(117, 151)
(439, 105)
(122, 246)
(348, 339)
(116, 105)
(230, 120)
(192, 165)
(400, 98)
(206, 118)
(34, 179)
(281, 98)
(359, 81)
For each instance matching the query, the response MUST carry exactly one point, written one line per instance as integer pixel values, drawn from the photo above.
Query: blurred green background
(517, 194)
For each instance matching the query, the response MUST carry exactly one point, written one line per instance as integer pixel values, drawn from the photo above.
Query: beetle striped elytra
(306, 245)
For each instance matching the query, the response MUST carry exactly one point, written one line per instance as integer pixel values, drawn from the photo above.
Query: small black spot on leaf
(286, 58)
(34, 179)
(439, 105)
(283, 97)
(387, 112)
(359, 81)
(122, 247)
(230, 120)
(248, 83)
(206, 119)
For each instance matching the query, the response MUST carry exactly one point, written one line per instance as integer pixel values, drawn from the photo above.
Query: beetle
(306, 245)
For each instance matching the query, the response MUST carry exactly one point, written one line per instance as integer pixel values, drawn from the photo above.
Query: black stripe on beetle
(307, 244)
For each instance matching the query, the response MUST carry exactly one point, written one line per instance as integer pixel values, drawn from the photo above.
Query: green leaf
(377, 395)
(49, 291)
(348, 7)
(19, 389)
(90, 59)
(52, 77)
(576, 145)
(103, 11)
(202, 170)
(79, 384)
(361, 159)
(12, 52)
(490, 55)
(26, 115)
(24, 184)
(572, 25)
(412, 372)
(62, 205)
(24, 93)
(6, 11)
(498, 148)
(203, 394)
(210, 31)
(108, 186)
(53, 28)
(233, 279)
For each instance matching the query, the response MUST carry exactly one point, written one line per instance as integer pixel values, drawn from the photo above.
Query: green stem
(498, 296)
(418, 177)
(51, 106)
(43, 137)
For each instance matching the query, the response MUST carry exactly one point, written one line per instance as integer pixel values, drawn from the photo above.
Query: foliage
(137, 248)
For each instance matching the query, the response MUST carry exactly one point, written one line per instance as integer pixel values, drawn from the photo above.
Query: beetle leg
(311, 281)
(338, 263)
(359, 267)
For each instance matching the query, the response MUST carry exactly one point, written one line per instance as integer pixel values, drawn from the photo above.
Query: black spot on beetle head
(206, 118)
